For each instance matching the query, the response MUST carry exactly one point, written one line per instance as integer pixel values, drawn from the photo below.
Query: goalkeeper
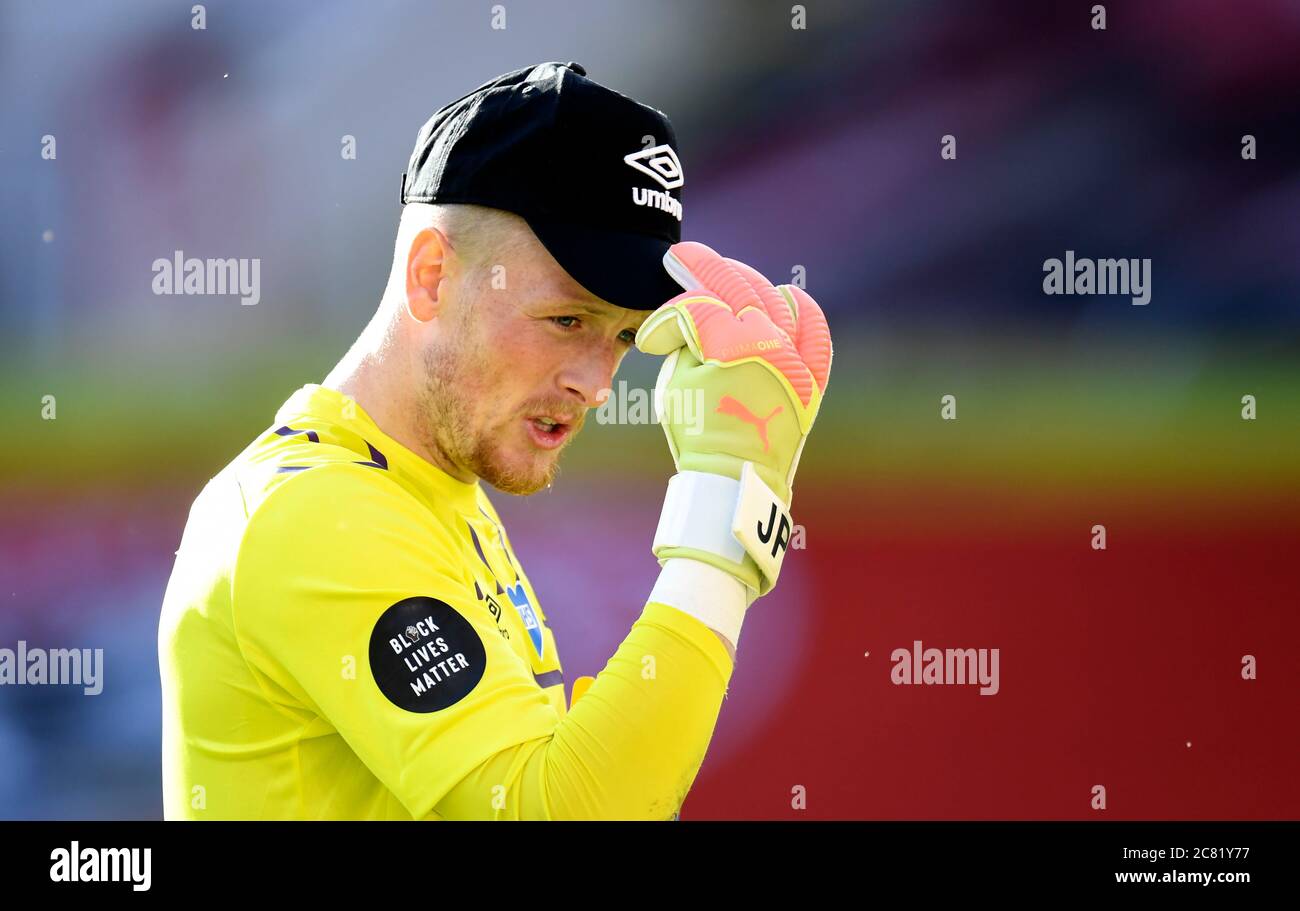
(347, 632)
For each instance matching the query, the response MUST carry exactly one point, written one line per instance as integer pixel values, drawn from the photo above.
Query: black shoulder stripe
(478, 548)
(287, 431)
(377, 459)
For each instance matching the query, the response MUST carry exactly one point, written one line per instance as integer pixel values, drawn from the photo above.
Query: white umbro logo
(661, 163)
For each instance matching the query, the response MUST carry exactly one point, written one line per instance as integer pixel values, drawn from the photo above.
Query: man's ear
(424, 272)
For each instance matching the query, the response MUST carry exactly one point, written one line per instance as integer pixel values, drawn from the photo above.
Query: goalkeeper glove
(759, 356)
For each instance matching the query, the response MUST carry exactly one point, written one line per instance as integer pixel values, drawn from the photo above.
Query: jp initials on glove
(760, 357)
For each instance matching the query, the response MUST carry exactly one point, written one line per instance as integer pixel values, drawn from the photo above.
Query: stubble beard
(446, 423)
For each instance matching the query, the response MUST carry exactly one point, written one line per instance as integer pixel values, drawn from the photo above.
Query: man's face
(514, 369)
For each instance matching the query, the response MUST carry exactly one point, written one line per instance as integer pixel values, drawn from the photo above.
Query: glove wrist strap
(733, 521)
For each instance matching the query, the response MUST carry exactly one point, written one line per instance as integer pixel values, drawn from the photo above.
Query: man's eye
(560, 321)
(629, 336)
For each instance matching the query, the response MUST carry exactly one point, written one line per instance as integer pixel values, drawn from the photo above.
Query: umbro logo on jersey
(494, 609)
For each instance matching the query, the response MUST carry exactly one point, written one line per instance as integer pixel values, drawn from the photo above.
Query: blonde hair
(480, 236)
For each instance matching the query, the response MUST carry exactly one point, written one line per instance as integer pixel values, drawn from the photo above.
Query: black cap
(593, 172)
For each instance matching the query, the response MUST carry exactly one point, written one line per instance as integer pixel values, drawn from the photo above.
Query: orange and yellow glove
(757, 358)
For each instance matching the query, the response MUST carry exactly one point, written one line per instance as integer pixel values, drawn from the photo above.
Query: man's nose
(589, 377)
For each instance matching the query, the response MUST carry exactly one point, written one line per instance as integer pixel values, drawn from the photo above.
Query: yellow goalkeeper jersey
(348, 634)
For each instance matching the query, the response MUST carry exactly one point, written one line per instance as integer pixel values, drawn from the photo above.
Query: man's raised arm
(759, 357)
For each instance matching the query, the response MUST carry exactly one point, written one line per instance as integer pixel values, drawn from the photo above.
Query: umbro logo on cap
(661, 163)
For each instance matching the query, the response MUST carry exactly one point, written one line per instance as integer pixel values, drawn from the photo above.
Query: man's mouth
(548, 432)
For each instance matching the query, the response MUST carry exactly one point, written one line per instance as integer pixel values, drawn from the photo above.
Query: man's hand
(757, 359)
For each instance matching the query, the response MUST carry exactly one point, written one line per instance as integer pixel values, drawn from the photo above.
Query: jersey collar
(430, 480)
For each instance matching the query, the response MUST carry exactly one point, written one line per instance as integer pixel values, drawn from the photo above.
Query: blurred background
(813, 149)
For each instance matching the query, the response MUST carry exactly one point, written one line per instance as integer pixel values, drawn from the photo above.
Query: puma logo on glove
(730, 406)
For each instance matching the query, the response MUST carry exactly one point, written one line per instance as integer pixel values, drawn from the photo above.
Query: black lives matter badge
(425, 656)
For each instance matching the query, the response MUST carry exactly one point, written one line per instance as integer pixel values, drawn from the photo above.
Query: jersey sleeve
(351, 609)
(630, 748)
